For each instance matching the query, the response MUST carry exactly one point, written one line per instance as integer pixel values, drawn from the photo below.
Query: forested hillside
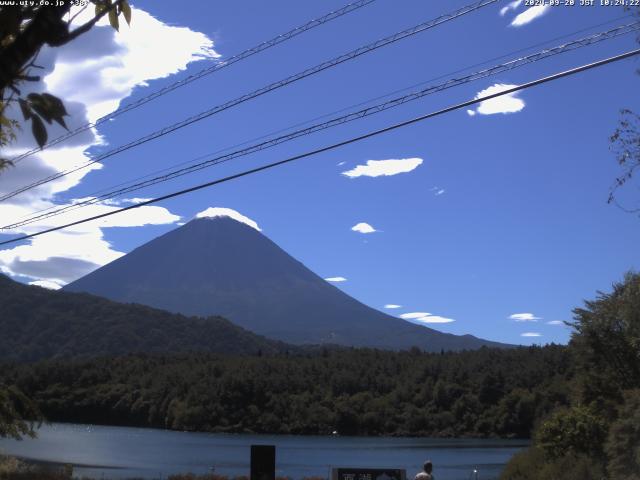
(489, 392)
(36, 323)
(597, 436)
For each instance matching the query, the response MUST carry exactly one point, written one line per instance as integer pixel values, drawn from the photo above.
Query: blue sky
(505, 215)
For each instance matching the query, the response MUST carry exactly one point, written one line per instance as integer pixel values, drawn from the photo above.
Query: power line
(261, 91)
(350, 7)
(374, 133)
(371, 110)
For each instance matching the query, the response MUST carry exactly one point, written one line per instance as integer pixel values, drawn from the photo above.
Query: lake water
(119, 452)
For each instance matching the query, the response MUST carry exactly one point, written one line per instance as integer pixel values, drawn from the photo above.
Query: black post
(263, 462)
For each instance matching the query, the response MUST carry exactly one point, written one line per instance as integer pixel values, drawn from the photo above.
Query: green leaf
(4, 163)
(49, 107)
(126, 11)
(39, 131)
(40, 106)
(113, 18)
(57, 107)
(26, 109)
(99, 8)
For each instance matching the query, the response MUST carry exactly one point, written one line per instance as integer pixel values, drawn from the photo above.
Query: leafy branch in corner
(24, 30)
(625, 142)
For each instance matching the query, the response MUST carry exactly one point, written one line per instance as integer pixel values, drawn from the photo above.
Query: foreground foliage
(481, 393)
(598, 436)
(19, 415)
(14, 469)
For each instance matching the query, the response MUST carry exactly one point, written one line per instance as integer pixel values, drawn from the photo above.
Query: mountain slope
(224, 267)
(36, 323)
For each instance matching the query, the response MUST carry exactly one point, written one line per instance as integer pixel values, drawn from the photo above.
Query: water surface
(120, 452)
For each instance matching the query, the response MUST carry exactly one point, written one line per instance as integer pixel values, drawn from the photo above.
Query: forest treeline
(484, 393)
(579, 403)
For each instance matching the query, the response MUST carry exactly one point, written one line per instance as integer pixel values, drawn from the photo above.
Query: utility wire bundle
(421, 27)
(365, 112)
(169, 173)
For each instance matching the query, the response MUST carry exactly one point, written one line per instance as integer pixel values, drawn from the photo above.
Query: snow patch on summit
(214, 212)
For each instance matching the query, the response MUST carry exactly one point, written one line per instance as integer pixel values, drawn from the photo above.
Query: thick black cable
(510, 65)
(359, 138)
(261, 91)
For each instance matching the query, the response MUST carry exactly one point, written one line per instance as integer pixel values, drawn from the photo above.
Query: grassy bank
(12, 468)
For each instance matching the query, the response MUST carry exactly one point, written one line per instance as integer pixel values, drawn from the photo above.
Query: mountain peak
(220, 264)
(213, 213)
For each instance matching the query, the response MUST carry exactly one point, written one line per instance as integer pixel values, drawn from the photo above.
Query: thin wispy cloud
(555, 322)
(384, 168)
(392, 306)
(508, 103)
(363, 227)
(135, 200)
(413, 315)
(530, 14)
(524, 317)
(510, 6)
(434, 319)
(214, 212)
(530, 334)
(336, 279)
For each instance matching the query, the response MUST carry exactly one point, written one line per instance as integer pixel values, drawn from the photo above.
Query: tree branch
(87, 26)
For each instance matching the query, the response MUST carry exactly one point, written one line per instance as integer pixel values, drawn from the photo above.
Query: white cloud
(555, 322)
(66, 255)
(392, 305)
(531, 334)
(112, 64)
(524, 317)
(336, 279)
(510, 6)
(507, 103)
(341, 163)
(409, 316)
(363, 228)
(434, 319)
(381, 168)
(135, 200)
(213, 212)
(529, 15)
(146, 51)
(46, 284)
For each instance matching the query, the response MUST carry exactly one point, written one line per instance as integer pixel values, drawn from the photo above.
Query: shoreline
(303, 435)
(294, 435)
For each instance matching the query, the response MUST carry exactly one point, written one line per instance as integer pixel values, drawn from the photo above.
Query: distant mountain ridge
(36, 323)
(219, 266)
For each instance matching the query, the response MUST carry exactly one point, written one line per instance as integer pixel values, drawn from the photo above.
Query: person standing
(426, 474)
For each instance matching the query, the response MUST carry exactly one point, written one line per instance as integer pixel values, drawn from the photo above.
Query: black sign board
(368, 474)
(263, 462)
